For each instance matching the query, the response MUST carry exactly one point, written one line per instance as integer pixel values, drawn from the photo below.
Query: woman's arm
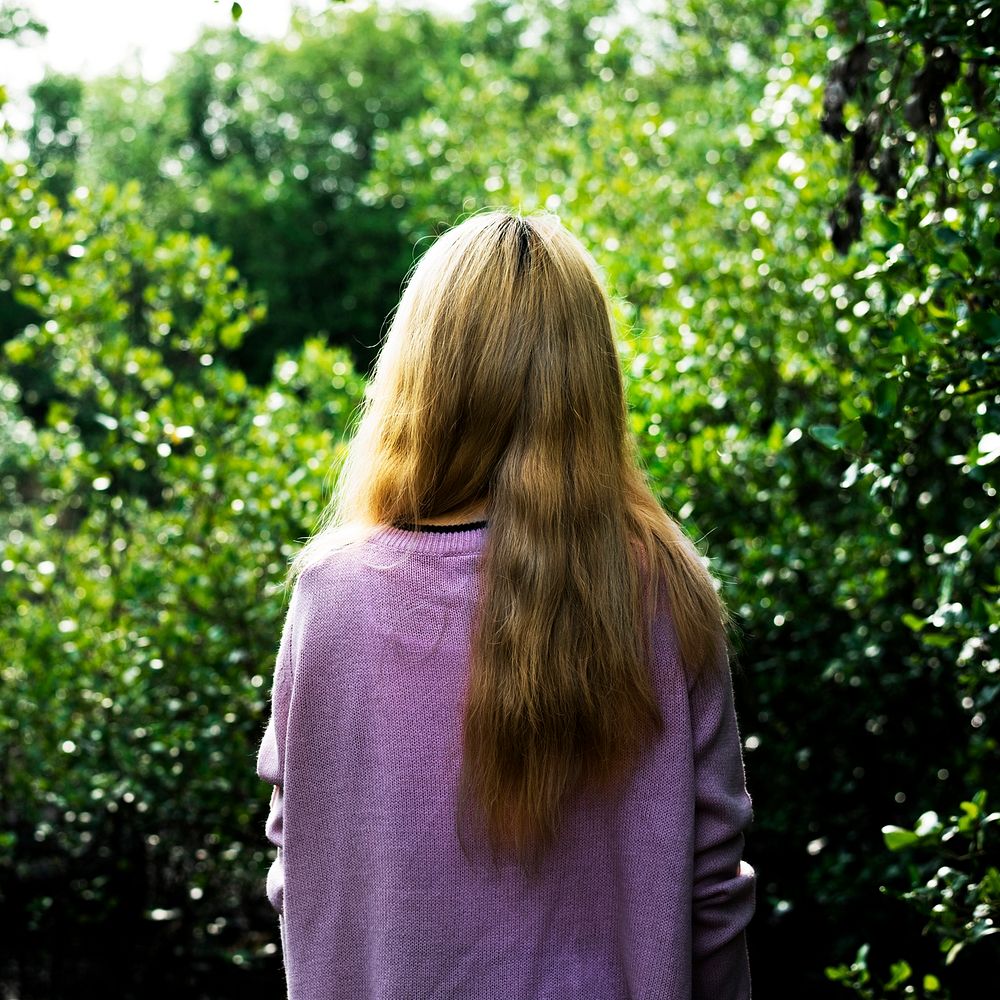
(269, 769)
(271, 763)
(724, 884)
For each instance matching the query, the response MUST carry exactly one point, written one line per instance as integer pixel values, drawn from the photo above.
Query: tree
(260, 146)
(149, 509)
(759, 383)
(814, 396)
(914, 100)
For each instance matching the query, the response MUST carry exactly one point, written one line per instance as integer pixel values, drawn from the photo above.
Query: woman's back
(641, 896)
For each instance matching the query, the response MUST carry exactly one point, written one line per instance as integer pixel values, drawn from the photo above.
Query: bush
(151, 504)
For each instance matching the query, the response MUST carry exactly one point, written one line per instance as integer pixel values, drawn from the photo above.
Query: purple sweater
(646, 899)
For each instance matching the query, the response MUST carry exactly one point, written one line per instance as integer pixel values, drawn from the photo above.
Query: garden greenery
(795, 205)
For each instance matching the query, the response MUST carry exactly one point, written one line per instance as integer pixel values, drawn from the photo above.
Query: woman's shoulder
(327, 573)
(354, 567)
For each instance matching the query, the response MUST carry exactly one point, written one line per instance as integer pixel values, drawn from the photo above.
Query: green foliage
(17, 21)
(960, 900)
(16, 25)
(859, 979)
(819, 411)
(912, 68)
(926, 427)
(931, 285)
(54, 134)
(261, 145)
(150, 509)
(956, 889)
(825, 421)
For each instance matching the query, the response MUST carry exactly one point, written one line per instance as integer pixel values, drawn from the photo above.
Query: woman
(502, 737)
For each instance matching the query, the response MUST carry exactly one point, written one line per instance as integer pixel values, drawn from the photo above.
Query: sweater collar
(464, 538)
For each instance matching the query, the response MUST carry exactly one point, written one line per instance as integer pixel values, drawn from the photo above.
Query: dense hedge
(804, 262)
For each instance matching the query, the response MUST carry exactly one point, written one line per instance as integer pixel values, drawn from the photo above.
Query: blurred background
(206, 214)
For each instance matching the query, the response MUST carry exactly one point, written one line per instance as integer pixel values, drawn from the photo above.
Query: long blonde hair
(499, 381)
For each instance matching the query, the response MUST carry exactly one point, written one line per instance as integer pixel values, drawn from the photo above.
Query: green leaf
(987, 326)
(896, 838)
(908, 331)
(19, 351)
(886, 393)
(847, 409)
(939, 641)
(971, 809)
(900, 972)
(989, 135)
(978, 156)
(826, 434)
(838, 973)
(237, 11)
(852, 435)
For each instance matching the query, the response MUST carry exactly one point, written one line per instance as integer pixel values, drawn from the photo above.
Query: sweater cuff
(276, 883)
(721, 963)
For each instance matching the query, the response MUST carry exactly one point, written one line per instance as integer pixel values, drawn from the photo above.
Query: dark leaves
(845, 220)
(861, 142)
(923, 106)
(885, 170)
(832, 121)
(845, 74)
(898, 77)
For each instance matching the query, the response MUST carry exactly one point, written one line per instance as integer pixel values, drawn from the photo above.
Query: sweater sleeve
(724, 884)
(271, 761)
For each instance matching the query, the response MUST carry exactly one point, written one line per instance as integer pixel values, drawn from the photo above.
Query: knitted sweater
(644, 898)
